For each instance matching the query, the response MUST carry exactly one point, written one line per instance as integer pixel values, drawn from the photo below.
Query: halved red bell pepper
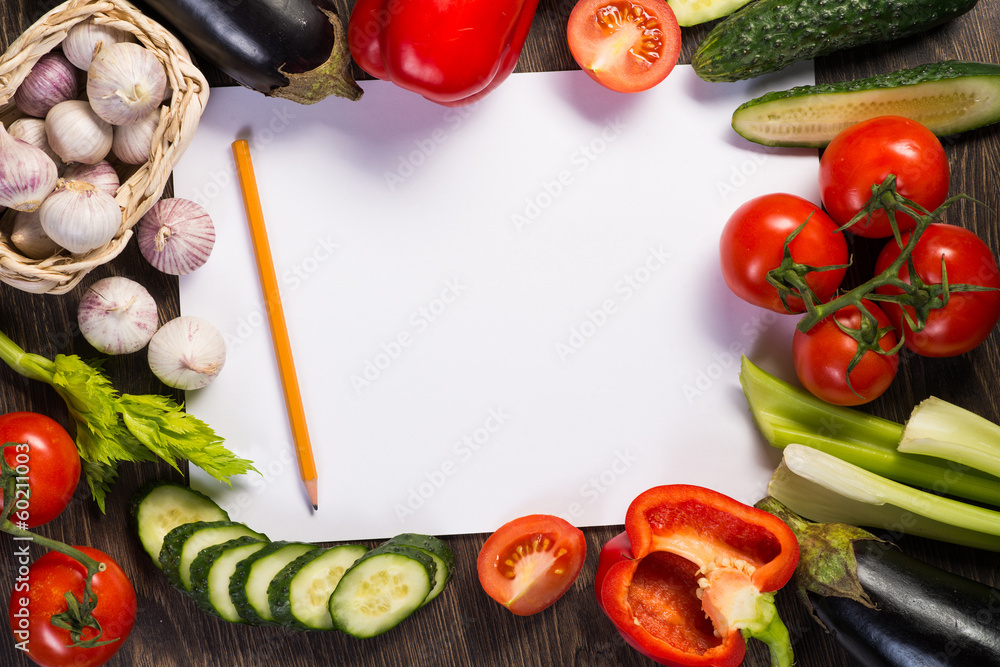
(452, 52)
(694, 575)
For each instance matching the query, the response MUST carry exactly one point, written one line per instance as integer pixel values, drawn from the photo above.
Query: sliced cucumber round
(381, 589)
(248, 586)
(300, 594)
(160, 506)
(438, 550)
(948, 97)
(184, 543)
(212, 570)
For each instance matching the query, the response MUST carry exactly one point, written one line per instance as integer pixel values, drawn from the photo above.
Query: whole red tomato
(46, 455)
(821, 357)
(864, 154)
(969, 317)
(39, 595)
(753, 243)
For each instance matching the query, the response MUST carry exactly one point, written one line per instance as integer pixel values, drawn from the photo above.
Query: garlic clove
(131, 143)
(125, 82)
(79, 217)
(51, 80)
(88, 36)
(176, 236)
(28, 236)
(32, 131)
(77, 134)
(27, 174)
(187, 353)
(101, 175)
(117, 315)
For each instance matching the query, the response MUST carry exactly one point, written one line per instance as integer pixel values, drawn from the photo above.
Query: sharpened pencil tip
(310, 485)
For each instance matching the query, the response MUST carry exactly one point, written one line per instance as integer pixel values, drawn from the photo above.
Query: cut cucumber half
(248, 586)
(183, 544)
(212, 570)
(381, 589)
(694, 12)
(300, 594)
(948, 97)
(159, 507)
(440, 552)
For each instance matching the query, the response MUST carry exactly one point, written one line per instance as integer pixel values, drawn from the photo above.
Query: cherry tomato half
(822, 354)
(48, 456)
(753, 243)
(864, 154)
(626, 46)
(969, 317)
(39, 595)
(530, 562)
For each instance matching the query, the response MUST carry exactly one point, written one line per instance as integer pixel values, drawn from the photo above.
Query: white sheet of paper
(497, 310)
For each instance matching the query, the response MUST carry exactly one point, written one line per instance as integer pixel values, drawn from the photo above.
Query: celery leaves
(166, 430)
(111, 427)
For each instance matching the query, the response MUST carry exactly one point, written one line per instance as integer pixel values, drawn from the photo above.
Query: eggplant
(294, 49)
(887, 609)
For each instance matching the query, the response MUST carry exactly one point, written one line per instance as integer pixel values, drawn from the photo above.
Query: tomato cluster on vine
(935, 288)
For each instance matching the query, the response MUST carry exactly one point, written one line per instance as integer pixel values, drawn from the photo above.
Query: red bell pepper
(452, 52)
(694, 575)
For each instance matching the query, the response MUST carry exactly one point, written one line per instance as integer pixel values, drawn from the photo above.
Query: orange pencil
(276, 319)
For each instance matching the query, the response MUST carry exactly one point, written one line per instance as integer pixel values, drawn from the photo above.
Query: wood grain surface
(464, 627)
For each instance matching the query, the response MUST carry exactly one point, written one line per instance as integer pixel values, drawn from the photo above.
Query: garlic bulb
(187, 353)
(88, 36)
(117, 315)
(131, 143)
(27, 174)
(79, 217)
(32, 131)
(77, 134)
(28, 236)
(51, 80)
(100, 174)
(125, 82)
(176, 236)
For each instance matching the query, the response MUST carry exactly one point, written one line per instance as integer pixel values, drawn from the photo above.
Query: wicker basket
(144, 186)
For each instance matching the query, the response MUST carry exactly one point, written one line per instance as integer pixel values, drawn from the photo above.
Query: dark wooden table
(464, 627)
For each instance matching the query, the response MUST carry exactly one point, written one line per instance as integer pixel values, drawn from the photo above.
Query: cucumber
(440, 553)
(248, 586)
(947, 97)
(769, 35)
(381, 589)
(183, 544)
(300, 594)
(212, 570)
(694, 12)
(160, 506)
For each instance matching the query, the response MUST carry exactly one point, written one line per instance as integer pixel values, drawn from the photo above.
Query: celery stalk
(823, 488)
(785, 414)
(944, 430)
